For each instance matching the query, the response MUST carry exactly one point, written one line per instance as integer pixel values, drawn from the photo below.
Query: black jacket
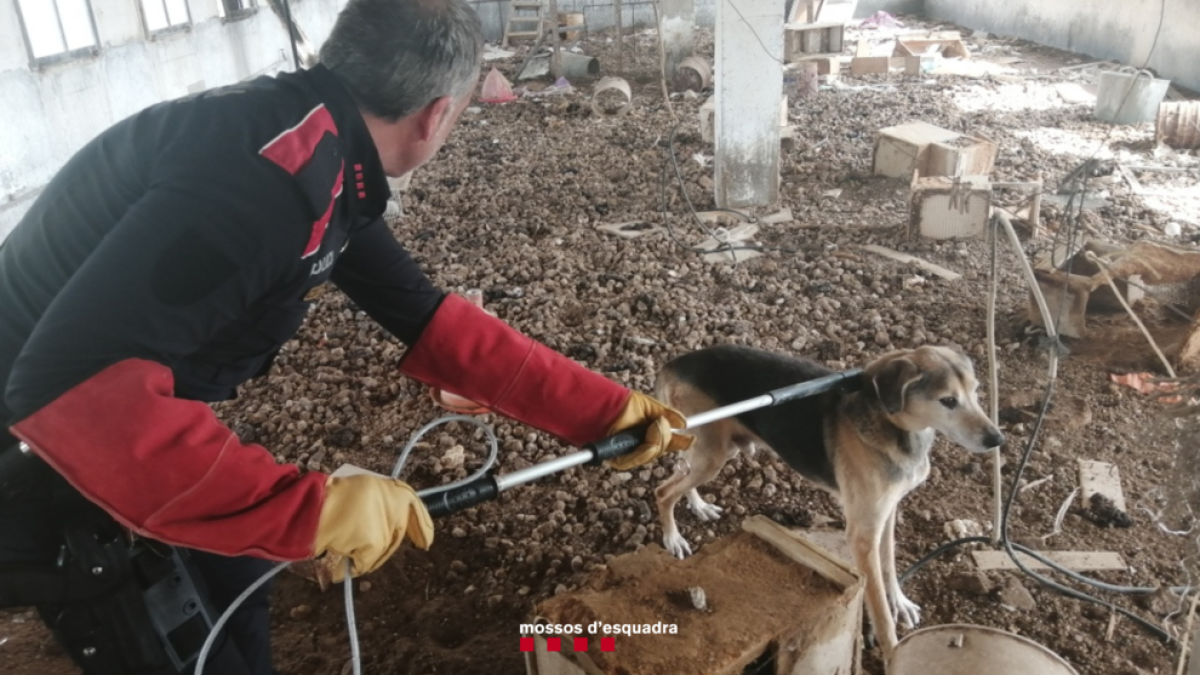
(195, 234)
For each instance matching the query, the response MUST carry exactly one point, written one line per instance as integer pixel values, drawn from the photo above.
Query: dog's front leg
(864, 529)
(906, 612)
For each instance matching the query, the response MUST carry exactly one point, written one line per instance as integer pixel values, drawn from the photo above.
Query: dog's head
(933, 387)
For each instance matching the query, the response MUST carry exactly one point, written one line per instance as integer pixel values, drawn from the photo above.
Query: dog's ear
(892, 380)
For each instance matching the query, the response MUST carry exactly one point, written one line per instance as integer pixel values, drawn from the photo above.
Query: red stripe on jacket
(293, 149)
(318, 229)
(168, 469)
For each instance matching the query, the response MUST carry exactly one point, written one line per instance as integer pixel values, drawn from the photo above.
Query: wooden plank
(940, 271)
(832, 543)
(1079, 561)
(1103, 478)
(799, 550)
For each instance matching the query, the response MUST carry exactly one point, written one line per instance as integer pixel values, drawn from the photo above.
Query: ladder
(524, 20)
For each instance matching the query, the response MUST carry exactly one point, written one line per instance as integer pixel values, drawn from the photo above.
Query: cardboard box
(901, 149)
(770, 594)
(961, 156)
(931, 151)
(948, 46)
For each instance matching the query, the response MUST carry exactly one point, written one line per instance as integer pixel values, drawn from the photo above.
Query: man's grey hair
(396, 56)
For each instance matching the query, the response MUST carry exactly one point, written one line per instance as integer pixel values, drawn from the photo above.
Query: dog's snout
(993, 438)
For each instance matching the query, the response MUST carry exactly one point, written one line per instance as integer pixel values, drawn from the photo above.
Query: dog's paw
(906, 612)
(705, 511)
(676, 545)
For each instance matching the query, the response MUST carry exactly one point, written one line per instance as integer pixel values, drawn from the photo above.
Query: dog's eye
(950, 402)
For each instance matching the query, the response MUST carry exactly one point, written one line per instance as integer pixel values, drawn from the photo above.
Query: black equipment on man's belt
(119, 606)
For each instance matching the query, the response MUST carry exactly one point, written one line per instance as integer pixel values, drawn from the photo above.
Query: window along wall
(57, 30)
(71, 68)
(163, 16)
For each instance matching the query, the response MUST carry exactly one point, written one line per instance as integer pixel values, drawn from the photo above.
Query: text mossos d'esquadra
(600, 628)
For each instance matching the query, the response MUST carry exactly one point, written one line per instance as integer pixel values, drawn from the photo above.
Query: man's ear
(892, 380)
(430, 118)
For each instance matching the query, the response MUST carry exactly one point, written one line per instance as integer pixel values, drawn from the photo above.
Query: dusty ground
(511, 206)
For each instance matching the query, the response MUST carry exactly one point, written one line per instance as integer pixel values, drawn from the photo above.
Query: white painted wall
(49, 114)
(1122, 30)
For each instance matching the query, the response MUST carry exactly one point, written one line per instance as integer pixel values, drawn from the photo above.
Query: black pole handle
(452, 501)
(620, 443)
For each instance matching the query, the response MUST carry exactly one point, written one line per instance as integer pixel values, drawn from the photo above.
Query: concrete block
(950, 208)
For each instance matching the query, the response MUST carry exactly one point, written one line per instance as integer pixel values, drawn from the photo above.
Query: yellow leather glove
(366, 518)
(640, 409)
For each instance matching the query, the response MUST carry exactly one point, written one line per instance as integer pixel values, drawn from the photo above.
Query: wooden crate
(768, 589)
(801, 39)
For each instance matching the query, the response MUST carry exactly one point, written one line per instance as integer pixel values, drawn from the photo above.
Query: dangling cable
(352, 628)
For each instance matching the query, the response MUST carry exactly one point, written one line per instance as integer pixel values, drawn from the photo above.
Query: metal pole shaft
(522, 476)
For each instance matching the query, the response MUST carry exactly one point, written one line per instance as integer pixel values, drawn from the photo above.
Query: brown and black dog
(868, 447)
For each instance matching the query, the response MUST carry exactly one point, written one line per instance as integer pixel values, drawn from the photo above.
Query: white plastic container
(1129, 96)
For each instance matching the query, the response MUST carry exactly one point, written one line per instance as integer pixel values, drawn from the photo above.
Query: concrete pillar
(677, 28)
(748, 76)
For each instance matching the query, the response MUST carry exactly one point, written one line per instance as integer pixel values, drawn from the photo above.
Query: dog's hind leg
(906, 612)
(704, 459)
(703, 510)
(740, 443)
